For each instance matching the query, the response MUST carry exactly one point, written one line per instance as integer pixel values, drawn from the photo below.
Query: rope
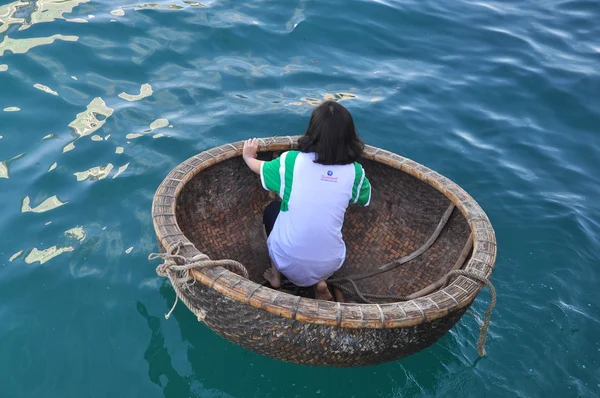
(175, 263)
(484, 326)
(426, 245)
(366, 296)
(337, 282)
(460, 261)
(168, 314)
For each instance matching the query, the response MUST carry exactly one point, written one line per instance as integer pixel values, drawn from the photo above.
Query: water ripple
(499, 96)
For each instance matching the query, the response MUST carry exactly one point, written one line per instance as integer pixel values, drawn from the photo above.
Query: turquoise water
(501, 97)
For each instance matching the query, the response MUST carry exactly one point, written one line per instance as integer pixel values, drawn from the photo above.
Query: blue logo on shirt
(329, 177)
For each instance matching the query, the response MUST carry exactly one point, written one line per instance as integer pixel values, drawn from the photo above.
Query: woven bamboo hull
(309, 344)
(213, 201)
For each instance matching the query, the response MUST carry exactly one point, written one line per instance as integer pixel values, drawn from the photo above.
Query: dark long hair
(331, 135)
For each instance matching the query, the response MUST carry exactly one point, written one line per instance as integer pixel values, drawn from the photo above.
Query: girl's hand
(249, 155)
(250, 148)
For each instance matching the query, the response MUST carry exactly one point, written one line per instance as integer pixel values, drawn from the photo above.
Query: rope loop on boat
(484, 326)
(174, 263)
(200, 261)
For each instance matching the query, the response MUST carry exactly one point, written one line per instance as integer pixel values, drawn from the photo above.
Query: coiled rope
(174, 263)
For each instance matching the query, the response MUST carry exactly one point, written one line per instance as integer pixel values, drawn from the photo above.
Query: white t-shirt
(306, 243)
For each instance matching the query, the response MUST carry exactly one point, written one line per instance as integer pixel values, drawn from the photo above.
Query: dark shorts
(270, 215)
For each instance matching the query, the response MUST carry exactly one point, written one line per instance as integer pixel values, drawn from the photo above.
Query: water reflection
(22, 46)
(43, 256)
(89, 121)
(315, 101)
(69, 147)
(7, 13)
(95, 173)
(160, 368)
(145, 91)
(15, 256)
(39, 11)
(77, 233)
(49, 204)
(154, 5)
(3, 170)
(45, 89)
(159, 123)
(121, 170)
(4, 165)
(92, 119)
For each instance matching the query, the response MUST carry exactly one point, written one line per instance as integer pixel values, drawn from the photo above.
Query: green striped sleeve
(289, 159)
(270, 176)
(361, 190)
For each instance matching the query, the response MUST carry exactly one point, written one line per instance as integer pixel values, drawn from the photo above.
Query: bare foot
(274, 278)
(339, 296)
(322, 292)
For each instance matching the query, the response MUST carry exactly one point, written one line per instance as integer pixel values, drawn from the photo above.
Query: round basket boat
(211, 205)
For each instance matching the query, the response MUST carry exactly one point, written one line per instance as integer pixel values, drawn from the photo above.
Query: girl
(316, 184)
